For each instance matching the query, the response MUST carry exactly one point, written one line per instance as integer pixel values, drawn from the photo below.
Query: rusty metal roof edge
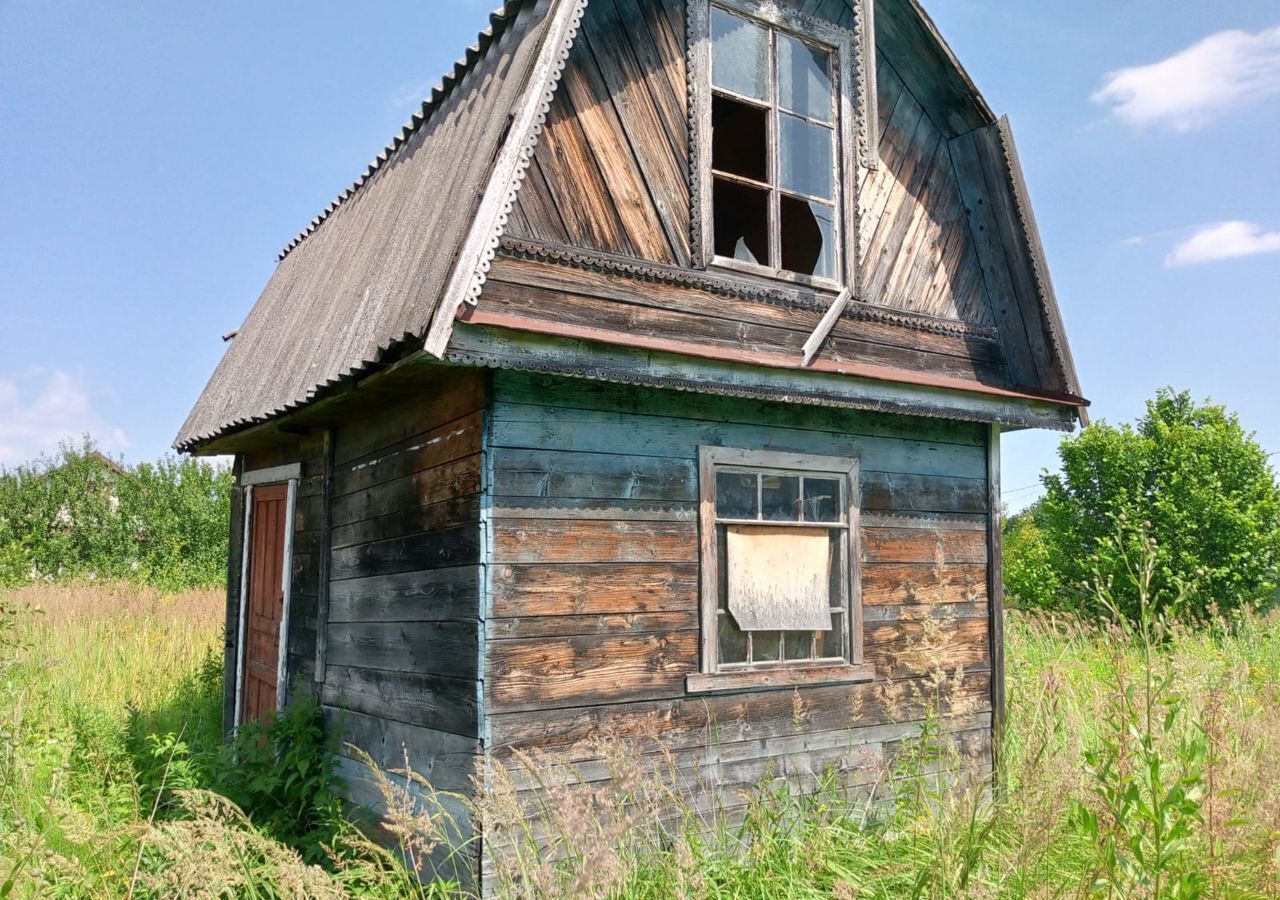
(499, 19)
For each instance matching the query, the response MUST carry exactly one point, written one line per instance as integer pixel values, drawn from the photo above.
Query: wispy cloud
(1190, 89)
(1226, 240)
(412, 94)
(40, 408)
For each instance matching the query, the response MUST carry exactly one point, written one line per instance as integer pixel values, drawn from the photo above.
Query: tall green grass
(113, 782)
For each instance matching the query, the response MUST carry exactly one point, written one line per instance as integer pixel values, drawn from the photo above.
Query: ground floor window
(779, 583)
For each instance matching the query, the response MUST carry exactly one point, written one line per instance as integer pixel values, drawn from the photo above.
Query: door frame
(287, 475)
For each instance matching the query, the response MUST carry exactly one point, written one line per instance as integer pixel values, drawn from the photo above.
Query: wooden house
(655, 372)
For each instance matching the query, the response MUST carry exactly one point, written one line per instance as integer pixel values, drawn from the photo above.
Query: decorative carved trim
(527, 149)
(1039, 263)
(698, 71)
(658, 273)
(511, 166)
(924, 521)
(864, 31)
(593, 372)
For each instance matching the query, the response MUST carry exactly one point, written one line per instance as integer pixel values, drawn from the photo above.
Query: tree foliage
(1186, 475)
(79, 514)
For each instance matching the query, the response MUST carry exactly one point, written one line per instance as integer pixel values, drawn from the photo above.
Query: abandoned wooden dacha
(652, 378)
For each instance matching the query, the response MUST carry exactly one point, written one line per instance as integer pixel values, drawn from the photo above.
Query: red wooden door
(264, 606)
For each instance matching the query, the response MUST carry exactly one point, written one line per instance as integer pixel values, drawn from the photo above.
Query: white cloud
(1191, 88)
(40, 408)
(1227, 240)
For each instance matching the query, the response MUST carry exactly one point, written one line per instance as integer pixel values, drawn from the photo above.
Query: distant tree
(1188, 476)
(1030, 580)
(81, 514)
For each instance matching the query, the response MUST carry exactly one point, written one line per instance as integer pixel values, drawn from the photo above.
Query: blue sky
(154, 157)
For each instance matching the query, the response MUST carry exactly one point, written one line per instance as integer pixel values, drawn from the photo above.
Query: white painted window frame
(288, 475)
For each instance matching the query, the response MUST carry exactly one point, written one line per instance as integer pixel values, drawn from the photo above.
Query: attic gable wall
(611, 171)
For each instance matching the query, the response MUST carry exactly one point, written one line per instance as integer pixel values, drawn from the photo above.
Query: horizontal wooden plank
(913, 545)
(933, 612)
(583, 625)
(448, 761)
(599, 589)
(540, 427)
(443, 482)
(532, 389)
(451, 441)
(434, 596)
(614, 510)
(519, 472)
(440, 648)
(447, 548)
(923, 493)
(521, 282)
(568, 541)
(700, 721)
(923, 583)
(414, 520)
(908, 649)
(545, 673)
(453, 394)
(429, 701)
(981, 364)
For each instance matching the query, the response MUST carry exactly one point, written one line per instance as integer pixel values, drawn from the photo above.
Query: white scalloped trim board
(512, 165)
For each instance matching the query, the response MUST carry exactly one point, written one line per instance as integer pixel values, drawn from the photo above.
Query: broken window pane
(740, 55)
(739, 138)
(806, 157)
(808, 234)
(736, 495)
(831, 643)
(741, 222)
(821, 500)
(780, 497)
(779, 578)
(804, 79)
(732, 641)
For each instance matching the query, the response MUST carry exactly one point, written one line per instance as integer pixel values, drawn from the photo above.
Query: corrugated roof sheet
(372, 276)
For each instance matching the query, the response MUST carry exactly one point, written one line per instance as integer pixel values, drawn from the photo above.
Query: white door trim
(252, 479)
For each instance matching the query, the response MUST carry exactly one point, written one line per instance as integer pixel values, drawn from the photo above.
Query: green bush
(1188, 477)
(80, 515)
(1030, 580)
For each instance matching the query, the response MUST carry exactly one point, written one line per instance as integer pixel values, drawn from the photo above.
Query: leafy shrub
(1187, 476)
(1030, 579)
(80, 515)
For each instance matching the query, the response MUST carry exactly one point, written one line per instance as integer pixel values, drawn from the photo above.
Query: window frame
(712, 676)
(847, 79)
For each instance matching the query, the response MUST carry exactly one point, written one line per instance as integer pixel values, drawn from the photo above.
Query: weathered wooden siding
(592, 591)
(402, 634)
(611, 171)
(623, 307)
(917, 252)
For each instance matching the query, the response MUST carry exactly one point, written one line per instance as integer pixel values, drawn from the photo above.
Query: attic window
(779, 594)
(776, 137)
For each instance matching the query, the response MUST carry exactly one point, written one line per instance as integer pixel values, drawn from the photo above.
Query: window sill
(766, 274)
(778, 679)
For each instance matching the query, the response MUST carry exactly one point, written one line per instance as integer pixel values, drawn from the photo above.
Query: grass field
(1126, 773)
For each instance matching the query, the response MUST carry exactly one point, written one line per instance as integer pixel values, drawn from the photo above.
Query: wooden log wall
(592, 591)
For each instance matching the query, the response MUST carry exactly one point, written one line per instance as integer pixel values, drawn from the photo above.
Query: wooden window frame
(288, 475)
(711, 678)
(853, 85)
